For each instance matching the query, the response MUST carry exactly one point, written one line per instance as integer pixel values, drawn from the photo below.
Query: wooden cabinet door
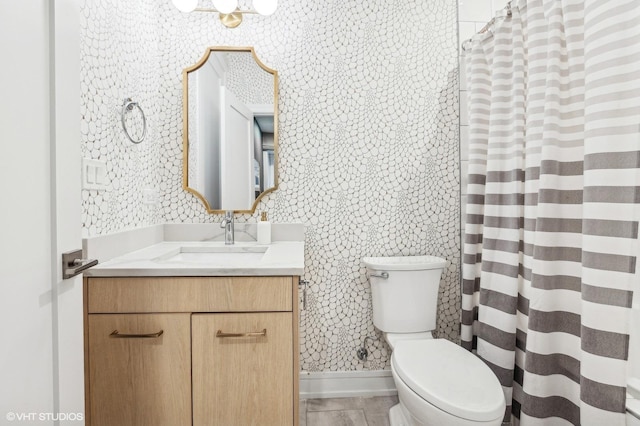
(242, 381)
(139, 381)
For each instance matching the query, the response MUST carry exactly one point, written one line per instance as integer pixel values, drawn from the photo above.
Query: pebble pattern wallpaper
(368, 160)
(247, 80)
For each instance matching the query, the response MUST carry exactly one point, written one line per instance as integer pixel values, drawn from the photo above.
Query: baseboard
(342, 384)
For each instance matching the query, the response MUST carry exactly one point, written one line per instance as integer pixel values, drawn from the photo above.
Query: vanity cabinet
(191, 350)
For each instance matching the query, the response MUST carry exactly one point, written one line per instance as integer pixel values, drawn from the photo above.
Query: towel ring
(129, 105)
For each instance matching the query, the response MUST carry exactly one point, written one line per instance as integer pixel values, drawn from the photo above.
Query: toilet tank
(404, 292)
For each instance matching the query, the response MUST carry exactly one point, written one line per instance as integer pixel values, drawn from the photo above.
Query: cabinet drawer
(189, 294)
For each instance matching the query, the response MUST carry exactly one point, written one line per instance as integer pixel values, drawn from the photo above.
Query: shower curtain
(551, 234)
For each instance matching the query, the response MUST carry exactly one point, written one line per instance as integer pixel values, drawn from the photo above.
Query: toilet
(439, 383)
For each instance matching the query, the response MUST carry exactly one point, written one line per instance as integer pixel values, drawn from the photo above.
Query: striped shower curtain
(551, 234)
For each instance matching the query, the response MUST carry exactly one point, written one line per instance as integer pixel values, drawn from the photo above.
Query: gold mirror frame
(185, 125)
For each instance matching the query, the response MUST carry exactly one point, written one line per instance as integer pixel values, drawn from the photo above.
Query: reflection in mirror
(230, 117)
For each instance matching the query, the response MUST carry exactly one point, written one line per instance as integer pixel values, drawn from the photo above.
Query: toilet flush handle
(383, 275)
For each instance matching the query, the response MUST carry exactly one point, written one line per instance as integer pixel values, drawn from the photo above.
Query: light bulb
(265, 7)
(225, 6)
(185, 6)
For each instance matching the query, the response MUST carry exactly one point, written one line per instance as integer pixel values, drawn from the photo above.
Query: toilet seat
(450, 378)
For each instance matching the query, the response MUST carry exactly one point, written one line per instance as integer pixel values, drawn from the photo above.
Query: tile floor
(360, 411)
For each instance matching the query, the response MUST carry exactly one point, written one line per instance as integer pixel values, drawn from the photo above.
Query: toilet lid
(450, 378)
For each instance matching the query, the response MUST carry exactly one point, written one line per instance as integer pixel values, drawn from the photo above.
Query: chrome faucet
(227, 224)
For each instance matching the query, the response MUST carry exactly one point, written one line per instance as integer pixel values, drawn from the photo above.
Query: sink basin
(215, 255)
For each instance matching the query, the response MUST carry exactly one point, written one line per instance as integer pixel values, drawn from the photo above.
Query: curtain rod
(493, 20)
(489, 24)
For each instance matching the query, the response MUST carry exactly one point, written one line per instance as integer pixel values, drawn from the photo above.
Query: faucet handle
(228, 219)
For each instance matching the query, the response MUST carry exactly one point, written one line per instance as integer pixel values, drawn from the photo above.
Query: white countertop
(280, 258)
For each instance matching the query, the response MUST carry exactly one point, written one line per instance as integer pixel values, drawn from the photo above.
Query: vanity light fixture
(230, 11)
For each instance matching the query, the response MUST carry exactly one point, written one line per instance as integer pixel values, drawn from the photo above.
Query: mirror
(230, 117)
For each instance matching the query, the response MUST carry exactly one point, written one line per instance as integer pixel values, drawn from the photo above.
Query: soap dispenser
(264, 230)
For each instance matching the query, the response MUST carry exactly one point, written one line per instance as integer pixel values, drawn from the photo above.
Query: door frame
(66, 172)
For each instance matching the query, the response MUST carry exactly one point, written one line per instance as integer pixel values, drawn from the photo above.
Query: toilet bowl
(439, 383)
(633, 366)
(633, 412)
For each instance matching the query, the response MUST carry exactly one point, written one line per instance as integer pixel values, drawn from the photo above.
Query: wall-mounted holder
(129, 105)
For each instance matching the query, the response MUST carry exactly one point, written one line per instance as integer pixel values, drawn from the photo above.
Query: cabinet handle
(263, 333)
(117, 334)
